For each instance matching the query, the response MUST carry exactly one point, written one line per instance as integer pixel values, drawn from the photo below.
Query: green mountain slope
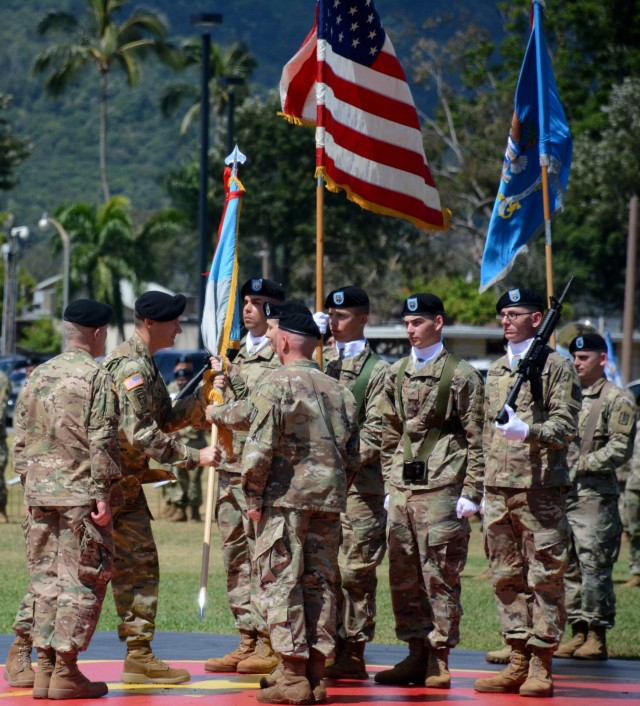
(143, 145)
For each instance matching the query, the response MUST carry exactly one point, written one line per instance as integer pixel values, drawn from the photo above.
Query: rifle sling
(431, 437)
(592, 418)
(359, 387)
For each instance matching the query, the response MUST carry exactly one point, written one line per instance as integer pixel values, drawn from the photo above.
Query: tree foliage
(103, 42)
(105, 249)
(13, 150)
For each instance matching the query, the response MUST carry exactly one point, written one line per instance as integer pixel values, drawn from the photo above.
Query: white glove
(322, 320)
(482, 506)
(386, 501)
(514, 429)
(466, 508)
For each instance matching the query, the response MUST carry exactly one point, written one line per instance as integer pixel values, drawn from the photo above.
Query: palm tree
(104, 43)
(105, 250)
(235, 61)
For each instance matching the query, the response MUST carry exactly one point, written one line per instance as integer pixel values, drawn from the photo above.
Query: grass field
(180, 549)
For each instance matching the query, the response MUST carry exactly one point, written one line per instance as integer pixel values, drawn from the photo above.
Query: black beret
(520, 297)
(346, 297)
(299, 322)
(276, 311)
(588, 342)
(159, 306)
(89, 313)
(423, 304)
(262, 288)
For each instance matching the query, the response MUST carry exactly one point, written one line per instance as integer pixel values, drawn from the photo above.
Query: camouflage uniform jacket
(594, 473)
(302, 447)
(540, 461)
(457, 455)
(66, 445)
(633, 482)
(368, 480)
(248, 371)
(148, 415)
(5, 394)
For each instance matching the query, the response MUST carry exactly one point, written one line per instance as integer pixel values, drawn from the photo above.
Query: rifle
(531, 365)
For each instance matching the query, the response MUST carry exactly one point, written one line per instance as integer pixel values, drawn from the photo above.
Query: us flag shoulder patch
(132, 382)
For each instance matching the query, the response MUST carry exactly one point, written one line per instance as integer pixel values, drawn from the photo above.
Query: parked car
(166, 360)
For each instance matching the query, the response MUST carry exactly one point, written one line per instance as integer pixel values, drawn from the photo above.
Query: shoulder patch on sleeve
(133, 381)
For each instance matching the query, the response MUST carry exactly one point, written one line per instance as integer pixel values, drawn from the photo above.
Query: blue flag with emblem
(221, 316)
(612, 371)
(539, 135)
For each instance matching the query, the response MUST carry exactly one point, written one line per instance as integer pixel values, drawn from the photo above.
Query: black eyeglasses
(512, 315)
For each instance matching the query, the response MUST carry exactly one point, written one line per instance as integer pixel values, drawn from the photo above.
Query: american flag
(347, 81)
(132, 382)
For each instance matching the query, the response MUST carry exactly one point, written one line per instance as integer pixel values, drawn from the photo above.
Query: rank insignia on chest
(132, 382)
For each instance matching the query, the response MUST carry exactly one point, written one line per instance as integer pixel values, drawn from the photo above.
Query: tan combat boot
(633, 582)
(68, 682)
(293, 688)
(230, 661)
(579, 635)
(262, 661)
(180, 515)
(350, 663)
(539, 682)
(498, 656)
(438, 675)
(18, 670)
(510, 679)
(274, 676)
(595, 646)
(46, 665)
(141, 666)
(315, 674)
(412, 669)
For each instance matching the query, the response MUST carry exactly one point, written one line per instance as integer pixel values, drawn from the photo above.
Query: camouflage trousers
(594, 545)
(297, 559)
(187, 491)
(427, 553)
(526, 536)
(632, 506)
(4, 457)
(362, 548)
(70, 561)
(23, 624)
(237, 533)
(136, 571)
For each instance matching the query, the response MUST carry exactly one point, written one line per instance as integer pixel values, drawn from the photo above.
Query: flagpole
(215, 397)
(319, 256)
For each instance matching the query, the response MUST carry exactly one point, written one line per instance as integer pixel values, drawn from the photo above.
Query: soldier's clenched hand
(210, 456)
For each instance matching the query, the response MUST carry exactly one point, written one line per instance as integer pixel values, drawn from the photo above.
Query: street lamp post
(43, 224)
(231, 82)
(10, 254)
(204, 21)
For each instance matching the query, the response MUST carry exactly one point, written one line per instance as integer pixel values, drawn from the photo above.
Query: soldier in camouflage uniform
(254, 655)
(66, 453)
(363, 542)
(432, 492)
(5, 393)
(526, 479)
(606, 429)
(148, 417)
(299, 457)
(632, 508)
(187, 491)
